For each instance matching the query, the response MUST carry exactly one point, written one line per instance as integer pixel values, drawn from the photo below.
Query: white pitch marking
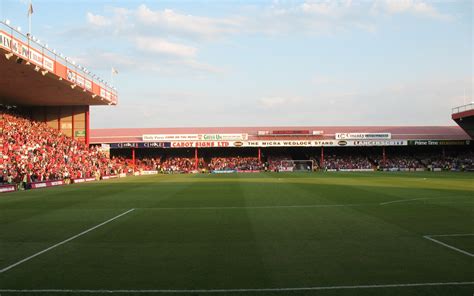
(63, 242)
(456, 234)
(404, 200)
(260, 207)
(281, 207)
(430, 237)
(178, 291)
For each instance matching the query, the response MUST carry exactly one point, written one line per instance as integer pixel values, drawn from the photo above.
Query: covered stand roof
(131, 135)
(32, 74)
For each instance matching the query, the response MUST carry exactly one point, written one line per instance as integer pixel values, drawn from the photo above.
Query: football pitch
(243, 234)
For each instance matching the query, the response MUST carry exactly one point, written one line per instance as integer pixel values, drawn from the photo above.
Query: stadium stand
(34, 152)
(179, 165)
(464, 117)
(235, 164)
(46, 136)
(351, 162)
(44, 122)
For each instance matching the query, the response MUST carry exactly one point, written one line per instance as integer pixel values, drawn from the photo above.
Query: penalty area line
(405, 200)
(260, 207)
(181, 291)
(447, 235)
(430, 237)
(63, 242)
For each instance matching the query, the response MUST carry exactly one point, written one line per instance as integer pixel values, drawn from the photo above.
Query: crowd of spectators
(464, 161)
(278, 163)
(32, 151)
(399, 162)
(235, 163)
(347, 162)
(180, 165)
(144, 164)
(174, 164)
(126, 165)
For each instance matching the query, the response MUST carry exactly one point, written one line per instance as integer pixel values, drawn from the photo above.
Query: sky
(265, 63)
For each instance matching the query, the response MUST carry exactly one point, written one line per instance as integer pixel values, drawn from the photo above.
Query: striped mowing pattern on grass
(196, 233)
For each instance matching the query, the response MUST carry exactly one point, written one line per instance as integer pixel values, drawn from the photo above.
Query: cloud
(397, 104)
(276, 19)
(414, 7)
(163, 47)
(313, 18)
(98, 20)
(329, 8)
(145, 41)
(331, 17)
(198, 66)
(321, 79)
(277, 101)
(309, 17)
(103, 61)
(171, 38)
(173, 54)
(171, 21)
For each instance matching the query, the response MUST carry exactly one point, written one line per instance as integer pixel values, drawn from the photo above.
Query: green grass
(243, 231)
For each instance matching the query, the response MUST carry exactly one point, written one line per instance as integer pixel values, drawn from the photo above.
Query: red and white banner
(319, 143)
(289, 143)
(23, 50)
(195, 137)
(356, 170)
(201, 144)
(79, 80)
(286, 143)
(36, 53)
(109, 177)
(45, 184)
(143, 173)
(7, 188)
(363, 136)
(378, 143)
(82, 180)
(107, 94)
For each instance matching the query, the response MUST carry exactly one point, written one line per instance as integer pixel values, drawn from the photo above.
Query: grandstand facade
(364, 148)
(45, 101)
(49, 87)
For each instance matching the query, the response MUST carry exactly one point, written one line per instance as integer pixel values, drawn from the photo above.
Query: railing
(30, 49)
(463, 108)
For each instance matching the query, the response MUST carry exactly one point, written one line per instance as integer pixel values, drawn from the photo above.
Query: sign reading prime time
(195, 137)
(363, 136)
(438, 142)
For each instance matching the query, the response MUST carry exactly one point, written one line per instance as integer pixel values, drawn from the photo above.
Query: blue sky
(245, 63)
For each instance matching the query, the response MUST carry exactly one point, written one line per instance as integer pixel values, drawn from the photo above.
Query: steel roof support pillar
(133, 159)
(87, 126)
(196, 159)
(322, 157)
